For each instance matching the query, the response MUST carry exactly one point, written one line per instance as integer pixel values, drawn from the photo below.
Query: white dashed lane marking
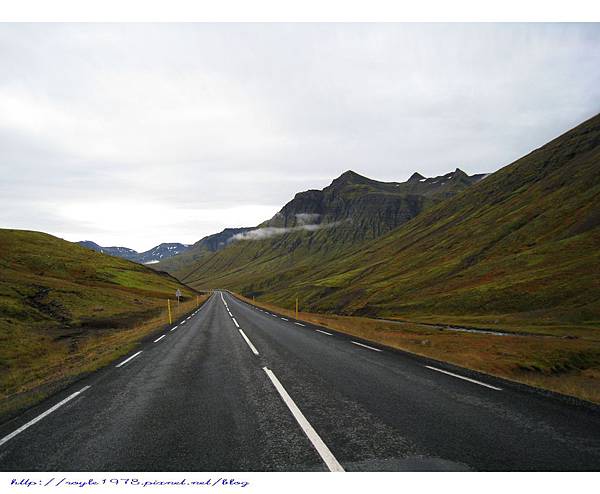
(367, 346)
(464, 378)
(127, 360)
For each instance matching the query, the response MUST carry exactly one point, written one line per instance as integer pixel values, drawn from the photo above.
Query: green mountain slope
(520, 246)
(65, 309)
(524, 240)
(181, 263)
(319, 223)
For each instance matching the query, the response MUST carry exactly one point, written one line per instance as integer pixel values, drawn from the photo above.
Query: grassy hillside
(65, 310)
(180, 264)
(351, 210)
(519, 250)
(523, 243)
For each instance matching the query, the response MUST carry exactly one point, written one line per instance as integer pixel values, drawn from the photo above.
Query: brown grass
(566, 366)
(61, 362)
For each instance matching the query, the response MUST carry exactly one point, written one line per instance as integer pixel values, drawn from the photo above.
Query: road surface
(235, 388)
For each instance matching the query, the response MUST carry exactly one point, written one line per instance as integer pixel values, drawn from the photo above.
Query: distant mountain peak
(350, 176)
(415, 177)
(157, 253)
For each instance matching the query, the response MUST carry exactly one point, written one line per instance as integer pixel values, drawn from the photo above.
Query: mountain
(206, 245)
(65, 309)
(524, 241)
(160, 252)
(371, 207)
(122, 252)
(317, 224)
(521, 247)
(154, 255)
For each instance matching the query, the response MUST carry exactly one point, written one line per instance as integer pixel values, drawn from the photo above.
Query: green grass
(66, 310)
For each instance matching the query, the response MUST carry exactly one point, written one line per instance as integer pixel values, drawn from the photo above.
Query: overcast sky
(135, 135)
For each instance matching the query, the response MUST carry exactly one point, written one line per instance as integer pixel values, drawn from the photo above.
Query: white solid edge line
(324, 332)
(41, 416)
(299, 324)
(464, 378)
(160, 338)
(127, 360)
(315, 439)
(235, 322)
(252, 347)
(366, 346)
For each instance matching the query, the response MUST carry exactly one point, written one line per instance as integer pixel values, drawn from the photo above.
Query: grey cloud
(201, 117)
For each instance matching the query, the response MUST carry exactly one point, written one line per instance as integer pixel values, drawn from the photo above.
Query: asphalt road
(235, 388)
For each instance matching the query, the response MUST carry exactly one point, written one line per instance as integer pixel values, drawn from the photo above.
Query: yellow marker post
(169, 307)
(296, 307)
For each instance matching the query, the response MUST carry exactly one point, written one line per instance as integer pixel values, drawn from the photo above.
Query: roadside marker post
(178, 294)
(296, 307)
(169, 307)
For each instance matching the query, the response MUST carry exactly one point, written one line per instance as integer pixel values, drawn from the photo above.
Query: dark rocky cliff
(366, 208)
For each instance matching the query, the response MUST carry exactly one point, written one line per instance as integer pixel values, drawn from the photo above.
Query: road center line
(324, 332)
(366, 346)
(299, 324)
(464, 378)
(235, 322)
(127, 360)
(252, 347)
(41, 416)
(315, 439)
(158, 339)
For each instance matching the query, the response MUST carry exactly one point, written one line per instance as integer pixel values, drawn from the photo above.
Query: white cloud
(182, 123)
(273, 231)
